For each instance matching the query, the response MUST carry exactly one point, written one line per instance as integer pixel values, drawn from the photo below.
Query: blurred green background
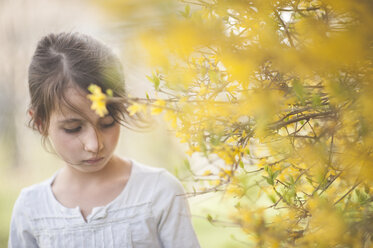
(25, 162)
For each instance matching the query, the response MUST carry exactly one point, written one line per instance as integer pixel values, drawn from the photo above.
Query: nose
(92, 141)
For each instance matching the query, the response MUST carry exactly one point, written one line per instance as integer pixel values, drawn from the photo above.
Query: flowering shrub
(278, 96)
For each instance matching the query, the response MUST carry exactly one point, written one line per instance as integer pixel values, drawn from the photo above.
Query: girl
(97, 199)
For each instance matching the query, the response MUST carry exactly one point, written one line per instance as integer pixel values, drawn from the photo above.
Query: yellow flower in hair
(98, 100)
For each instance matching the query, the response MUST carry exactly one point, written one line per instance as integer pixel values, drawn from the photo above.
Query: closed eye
(72, 130)
(108, 125)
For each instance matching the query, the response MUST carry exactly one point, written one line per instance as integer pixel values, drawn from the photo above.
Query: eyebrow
(70, 121)
(73, 120)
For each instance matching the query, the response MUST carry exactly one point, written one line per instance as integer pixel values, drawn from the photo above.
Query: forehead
(74, 102)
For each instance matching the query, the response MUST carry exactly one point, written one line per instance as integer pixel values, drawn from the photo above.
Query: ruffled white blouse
(150, 212)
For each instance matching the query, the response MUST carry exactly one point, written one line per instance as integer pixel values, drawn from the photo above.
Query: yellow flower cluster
(98, 99)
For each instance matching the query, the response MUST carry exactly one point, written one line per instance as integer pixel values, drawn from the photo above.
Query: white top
(151, 211)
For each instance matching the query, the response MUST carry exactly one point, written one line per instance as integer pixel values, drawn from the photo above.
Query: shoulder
(153, 183)
(141, 168)
(36, 190)
(32, 195)
(159, 178)
(169, 183)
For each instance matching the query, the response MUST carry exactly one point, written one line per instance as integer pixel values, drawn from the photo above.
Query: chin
(84, 167)
(89, 169)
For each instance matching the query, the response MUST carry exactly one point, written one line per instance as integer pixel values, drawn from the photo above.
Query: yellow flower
(189, 152)
(235, 190)
(215, 182)
(202, 90)
(98, 99)
(171, 117)
(207, 173)
(134, 108)
(158, 107)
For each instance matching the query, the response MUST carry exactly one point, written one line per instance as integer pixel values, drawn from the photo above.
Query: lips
(93, 160)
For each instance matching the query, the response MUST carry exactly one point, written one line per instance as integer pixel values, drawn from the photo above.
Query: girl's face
(85, 143)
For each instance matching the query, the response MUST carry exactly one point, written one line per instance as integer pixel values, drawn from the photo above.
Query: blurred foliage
(277, 95)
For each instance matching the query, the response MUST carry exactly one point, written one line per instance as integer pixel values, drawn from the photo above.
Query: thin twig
(277, 125)
(348, 192)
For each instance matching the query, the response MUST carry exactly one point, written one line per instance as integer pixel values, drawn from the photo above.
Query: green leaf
(186, 12)
(155, 80)
(187, 164)
(209, 218)
(242, 164)
(149, 78)
(215, 140)
(291, 179)
(366, 189)
(203, 147)
(299, 90)
(277, 193)
(289, 195)
(269, 180)
(361, 196)
(316, 100)
(276, 174)
(272, 198)
(176, 172)
(268, 169)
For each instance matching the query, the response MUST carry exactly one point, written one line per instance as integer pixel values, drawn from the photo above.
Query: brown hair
(65, 59)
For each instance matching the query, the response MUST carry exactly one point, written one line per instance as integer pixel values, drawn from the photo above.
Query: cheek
(64, 143)
(113, 136)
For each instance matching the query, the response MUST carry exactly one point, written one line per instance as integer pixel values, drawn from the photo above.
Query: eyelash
(74, 130)
(77, 129)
